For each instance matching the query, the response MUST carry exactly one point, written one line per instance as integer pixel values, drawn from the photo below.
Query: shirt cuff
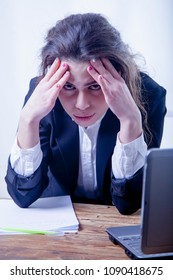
(128, 158)
(25, 161)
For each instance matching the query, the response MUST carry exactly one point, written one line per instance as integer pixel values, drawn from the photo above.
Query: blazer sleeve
(25, 190)
(126, 194)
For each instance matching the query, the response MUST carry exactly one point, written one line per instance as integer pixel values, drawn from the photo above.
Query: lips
(84, 117)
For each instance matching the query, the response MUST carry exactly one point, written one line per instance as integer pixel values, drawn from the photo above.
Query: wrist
(130, 130)
(28, 131)
(28, 118)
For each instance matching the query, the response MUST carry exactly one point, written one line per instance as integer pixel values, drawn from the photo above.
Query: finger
(58, 74)
(59, 85)
(106, 69)
(94, 74)
(108, 65)
(98, 66)
(102, 70)
(104, 85)
(99, 79)
(52, 70)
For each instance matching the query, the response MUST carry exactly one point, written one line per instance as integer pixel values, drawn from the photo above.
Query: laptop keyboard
(134, 241)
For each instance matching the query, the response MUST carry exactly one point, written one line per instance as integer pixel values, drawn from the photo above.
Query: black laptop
(153, 239)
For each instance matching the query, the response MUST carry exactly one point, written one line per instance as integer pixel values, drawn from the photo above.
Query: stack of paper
(53, 215)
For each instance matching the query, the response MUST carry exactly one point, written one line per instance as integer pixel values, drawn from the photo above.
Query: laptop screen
(157, 208)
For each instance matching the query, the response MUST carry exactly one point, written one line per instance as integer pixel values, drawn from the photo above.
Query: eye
(69, 86)
(95, 87)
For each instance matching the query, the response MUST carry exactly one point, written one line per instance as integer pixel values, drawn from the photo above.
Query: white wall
(145, 25)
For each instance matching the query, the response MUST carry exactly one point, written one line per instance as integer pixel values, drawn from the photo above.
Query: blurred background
(144, 24)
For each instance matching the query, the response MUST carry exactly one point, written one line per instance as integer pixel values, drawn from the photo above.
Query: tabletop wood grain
(90, 243)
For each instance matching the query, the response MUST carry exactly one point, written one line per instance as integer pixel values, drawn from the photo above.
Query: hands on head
(118, 98)
(115, 95)
(114, 88)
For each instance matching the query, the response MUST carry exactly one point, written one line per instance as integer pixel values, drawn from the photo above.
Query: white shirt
(126, 159)
(87, 180)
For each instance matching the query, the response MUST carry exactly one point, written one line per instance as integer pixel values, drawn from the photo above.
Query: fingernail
(64, 65)
(93, 60)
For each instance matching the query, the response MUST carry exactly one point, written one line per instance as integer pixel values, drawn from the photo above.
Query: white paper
(45, 214)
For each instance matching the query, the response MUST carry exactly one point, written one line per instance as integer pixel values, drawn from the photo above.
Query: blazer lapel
(67, 137)
(105, 145)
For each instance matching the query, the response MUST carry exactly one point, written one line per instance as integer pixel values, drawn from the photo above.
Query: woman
(87, 121)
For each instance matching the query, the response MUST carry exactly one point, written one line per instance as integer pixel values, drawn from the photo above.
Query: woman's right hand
(41, 103)
(45, 94)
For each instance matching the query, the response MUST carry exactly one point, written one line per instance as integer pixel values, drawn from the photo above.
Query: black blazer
(58, 172)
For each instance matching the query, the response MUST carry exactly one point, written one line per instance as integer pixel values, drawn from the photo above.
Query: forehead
(79, 73)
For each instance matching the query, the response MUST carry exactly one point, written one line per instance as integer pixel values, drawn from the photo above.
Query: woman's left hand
(118, 98)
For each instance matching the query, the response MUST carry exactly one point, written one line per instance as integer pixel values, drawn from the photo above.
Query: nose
(82, 101)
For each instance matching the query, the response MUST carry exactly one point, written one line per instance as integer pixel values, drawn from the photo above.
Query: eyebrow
(90, 83)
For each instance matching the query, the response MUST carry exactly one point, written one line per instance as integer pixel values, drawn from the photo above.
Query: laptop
(153, 239)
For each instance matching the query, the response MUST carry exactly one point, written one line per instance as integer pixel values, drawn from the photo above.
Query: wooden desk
(90, 243)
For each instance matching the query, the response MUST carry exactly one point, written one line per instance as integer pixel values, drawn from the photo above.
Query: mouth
(84, 118)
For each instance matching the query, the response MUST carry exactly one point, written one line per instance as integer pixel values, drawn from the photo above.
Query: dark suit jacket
(58, 172)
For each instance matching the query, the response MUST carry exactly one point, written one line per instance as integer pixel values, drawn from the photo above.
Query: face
(81, 97)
